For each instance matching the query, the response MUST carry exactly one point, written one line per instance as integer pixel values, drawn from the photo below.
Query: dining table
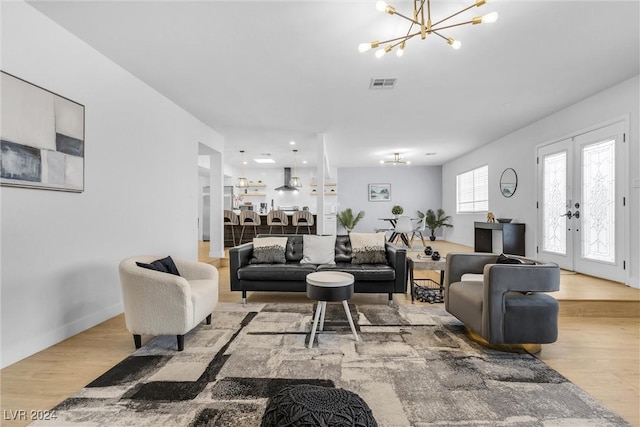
(394, 221)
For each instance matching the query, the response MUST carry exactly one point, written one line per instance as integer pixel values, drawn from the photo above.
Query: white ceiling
(263, 73)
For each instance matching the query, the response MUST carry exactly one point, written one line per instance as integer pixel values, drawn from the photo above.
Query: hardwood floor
(598, 350)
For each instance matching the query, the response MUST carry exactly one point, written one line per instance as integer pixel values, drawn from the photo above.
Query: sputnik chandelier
(397, 160)
(424, 25)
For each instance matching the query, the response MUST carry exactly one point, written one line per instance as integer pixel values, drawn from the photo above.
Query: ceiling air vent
(382, 83)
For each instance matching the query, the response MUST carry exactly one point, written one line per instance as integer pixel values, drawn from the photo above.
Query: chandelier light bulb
(363, 47)
(400, 50)
(381, 6)
(380, 53)
(490, 18)
(456, 44)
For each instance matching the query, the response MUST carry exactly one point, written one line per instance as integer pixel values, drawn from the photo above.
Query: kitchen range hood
(287, 180)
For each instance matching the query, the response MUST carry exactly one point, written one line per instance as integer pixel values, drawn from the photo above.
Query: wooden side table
(418, 261)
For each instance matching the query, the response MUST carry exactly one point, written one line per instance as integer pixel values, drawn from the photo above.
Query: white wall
(412, 187)
(60, 251)
(518, 150)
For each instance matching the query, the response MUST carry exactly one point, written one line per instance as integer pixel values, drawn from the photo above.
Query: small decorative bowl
(504, 220)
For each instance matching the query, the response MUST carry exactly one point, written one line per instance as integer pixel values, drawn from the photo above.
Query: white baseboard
(15, 353)
(216, 254)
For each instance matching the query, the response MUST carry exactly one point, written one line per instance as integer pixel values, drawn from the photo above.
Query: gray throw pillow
(368, 248)
(269, 250)
(318, 249)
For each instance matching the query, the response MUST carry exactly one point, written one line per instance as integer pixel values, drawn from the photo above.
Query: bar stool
(302, 218)
(231, 219)
(277, 218)
(249, 218)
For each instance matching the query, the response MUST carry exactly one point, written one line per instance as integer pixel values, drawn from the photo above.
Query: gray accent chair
(507, 304)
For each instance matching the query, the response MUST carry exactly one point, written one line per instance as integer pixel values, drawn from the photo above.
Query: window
(472, 190)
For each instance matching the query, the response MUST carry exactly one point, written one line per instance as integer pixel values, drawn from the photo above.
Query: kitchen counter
(289, 213)
(264, 229)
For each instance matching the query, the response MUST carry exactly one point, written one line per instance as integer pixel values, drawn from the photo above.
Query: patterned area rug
(413, 366)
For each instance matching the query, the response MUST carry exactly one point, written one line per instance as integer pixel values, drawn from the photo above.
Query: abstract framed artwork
(41, 138)
(379, 192)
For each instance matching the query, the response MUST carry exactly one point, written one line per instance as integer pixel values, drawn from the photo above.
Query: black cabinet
(512, 237)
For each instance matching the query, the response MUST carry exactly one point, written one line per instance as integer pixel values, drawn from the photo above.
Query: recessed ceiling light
(264, 160)
(304, 162)
(292, 143)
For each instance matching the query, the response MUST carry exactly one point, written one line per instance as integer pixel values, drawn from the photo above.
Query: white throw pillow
(318, 249)
(472, 277)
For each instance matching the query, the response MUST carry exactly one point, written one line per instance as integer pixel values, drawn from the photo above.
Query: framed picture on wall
(379, 192)
(41, 138)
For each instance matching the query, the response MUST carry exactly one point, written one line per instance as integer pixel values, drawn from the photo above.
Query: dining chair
(250, 218)
(403, 228)
(419, 231)
(277, 217)
(302, 218)
(232, 220)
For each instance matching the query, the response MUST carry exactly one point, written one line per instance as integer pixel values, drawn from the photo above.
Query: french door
(581, 204)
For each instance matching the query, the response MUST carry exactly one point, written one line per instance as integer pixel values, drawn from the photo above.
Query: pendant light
(295, 179)
(242, 181)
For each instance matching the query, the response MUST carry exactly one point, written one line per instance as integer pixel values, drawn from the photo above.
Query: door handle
(568, 214)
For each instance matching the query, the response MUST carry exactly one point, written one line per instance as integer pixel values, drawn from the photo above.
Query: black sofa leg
(390, 299)
(137, 340)
(180, 342)
(208, 319)
(244, 297)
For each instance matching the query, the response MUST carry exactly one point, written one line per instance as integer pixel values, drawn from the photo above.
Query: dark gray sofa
(290, 277)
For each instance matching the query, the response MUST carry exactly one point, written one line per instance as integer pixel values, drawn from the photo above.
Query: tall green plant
(347, 220)
(435, 220)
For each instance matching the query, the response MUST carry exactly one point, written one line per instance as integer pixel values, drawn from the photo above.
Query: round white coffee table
(326, 286)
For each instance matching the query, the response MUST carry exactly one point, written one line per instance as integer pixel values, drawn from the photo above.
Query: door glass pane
(598, 201)
(554, 234)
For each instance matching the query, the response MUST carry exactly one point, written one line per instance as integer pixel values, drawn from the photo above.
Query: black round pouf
(309, 405)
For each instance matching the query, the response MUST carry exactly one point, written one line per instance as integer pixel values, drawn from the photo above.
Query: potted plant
(435, 220)
(347, 220)
(397, 210)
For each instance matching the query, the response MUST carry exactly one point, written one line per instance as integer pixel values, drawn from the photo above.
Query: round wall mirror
(508, 182)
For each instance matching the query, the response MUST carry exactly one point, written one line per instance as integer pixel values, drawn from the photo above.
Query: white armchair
(157, 303)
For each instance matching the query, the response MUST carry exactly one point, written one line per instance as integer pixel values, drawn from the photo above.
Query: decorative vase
(428, 250)
(435, 256)
(432, 238)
